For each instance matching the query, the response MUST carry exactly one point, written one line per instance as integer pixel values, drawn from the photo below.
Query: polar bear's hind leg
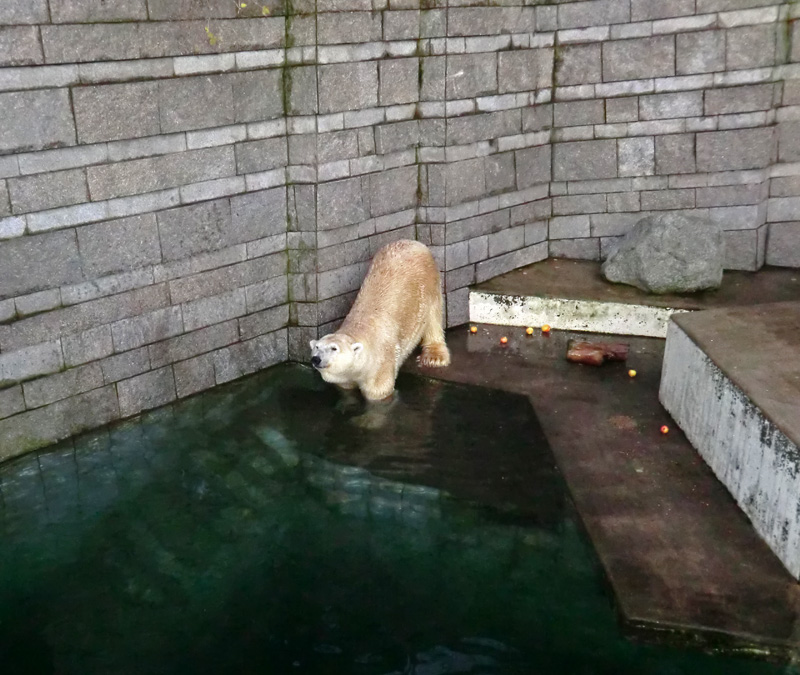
(434, 349)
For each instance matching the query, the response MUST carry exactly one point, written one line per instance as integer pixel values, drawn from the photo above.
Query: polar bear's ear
(312, 344)
(357, 347)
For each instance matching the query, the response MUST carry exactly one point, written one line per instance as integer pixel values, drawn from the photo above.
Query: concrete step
(731, 381)
(573, 295)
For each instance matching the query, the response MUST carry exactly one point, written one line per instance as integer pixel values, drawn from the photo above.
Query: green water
(270, 527)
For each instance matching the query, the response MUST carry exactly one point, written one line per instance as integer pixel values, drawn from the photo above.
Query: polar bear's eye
(334, 348)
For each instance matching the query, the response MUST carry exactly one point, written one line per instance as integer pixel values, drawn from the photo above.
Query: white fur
(400, 304)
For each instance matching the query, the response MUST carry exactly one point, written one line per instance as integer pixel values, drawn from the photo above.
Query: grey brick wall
(143, 206)
(190, 191)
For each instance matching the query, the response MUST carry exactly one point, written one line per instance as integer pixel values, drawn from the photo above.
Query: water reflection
(261, 528)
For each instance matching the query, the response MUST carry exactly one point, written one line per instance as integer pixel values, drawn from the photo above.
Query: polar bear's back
(400, 289)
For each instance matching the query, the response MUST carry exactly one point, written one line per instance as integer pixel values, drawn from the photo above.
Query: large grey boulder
(669, 253)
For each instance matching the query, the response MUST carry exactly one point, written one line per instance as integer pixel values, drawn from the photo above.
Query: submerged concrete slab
(685, 565)
(573, 295)
(731, 380)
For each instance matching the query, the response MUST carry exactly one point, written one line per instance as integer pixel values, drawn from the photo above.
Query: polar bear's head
(335, 354)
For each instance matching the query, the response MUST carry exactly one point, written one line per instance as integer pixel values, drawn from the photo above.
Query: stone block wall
(413, 121)
(677, 105)
(190, 190)
(143, 228)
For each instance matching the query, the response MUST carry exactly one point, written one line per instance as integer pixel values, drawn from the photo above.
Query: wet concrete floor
(683, 560)
(582, 280)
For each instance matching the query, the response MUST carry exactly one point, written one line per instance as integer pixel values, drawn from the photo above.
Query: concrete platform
(573, 295)
(731, 380)
(684, 562)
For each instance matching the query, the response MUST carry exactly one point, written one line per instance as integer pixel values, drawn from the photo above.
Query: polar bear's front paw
(348, 404)
(370, 420)
(434, 356)
(376, 413)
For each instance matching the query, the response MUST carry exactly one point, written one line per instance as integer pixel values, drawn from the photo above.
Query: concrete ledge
(731, 381)
(573, 295)
(566, 314)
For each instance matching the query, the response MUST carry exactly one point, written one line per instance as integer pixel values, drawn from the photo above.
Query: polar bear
(399, 305)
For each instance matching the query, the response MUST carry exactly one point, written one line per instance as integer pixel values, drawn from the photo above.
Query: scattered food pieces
(546, 328)
(665, 429)
(529, 331)
(473, 329)
(631, 373)
(589, 355)
(503, 340)
(597, 353)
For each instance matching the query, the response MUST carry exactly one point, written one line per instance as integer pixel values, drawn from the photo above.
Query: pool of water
(271, 526)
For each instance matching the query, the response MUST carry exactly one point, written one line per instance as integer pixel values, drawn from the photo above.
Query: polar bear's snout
(316, 354)
(335, 356)
(324, 353)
